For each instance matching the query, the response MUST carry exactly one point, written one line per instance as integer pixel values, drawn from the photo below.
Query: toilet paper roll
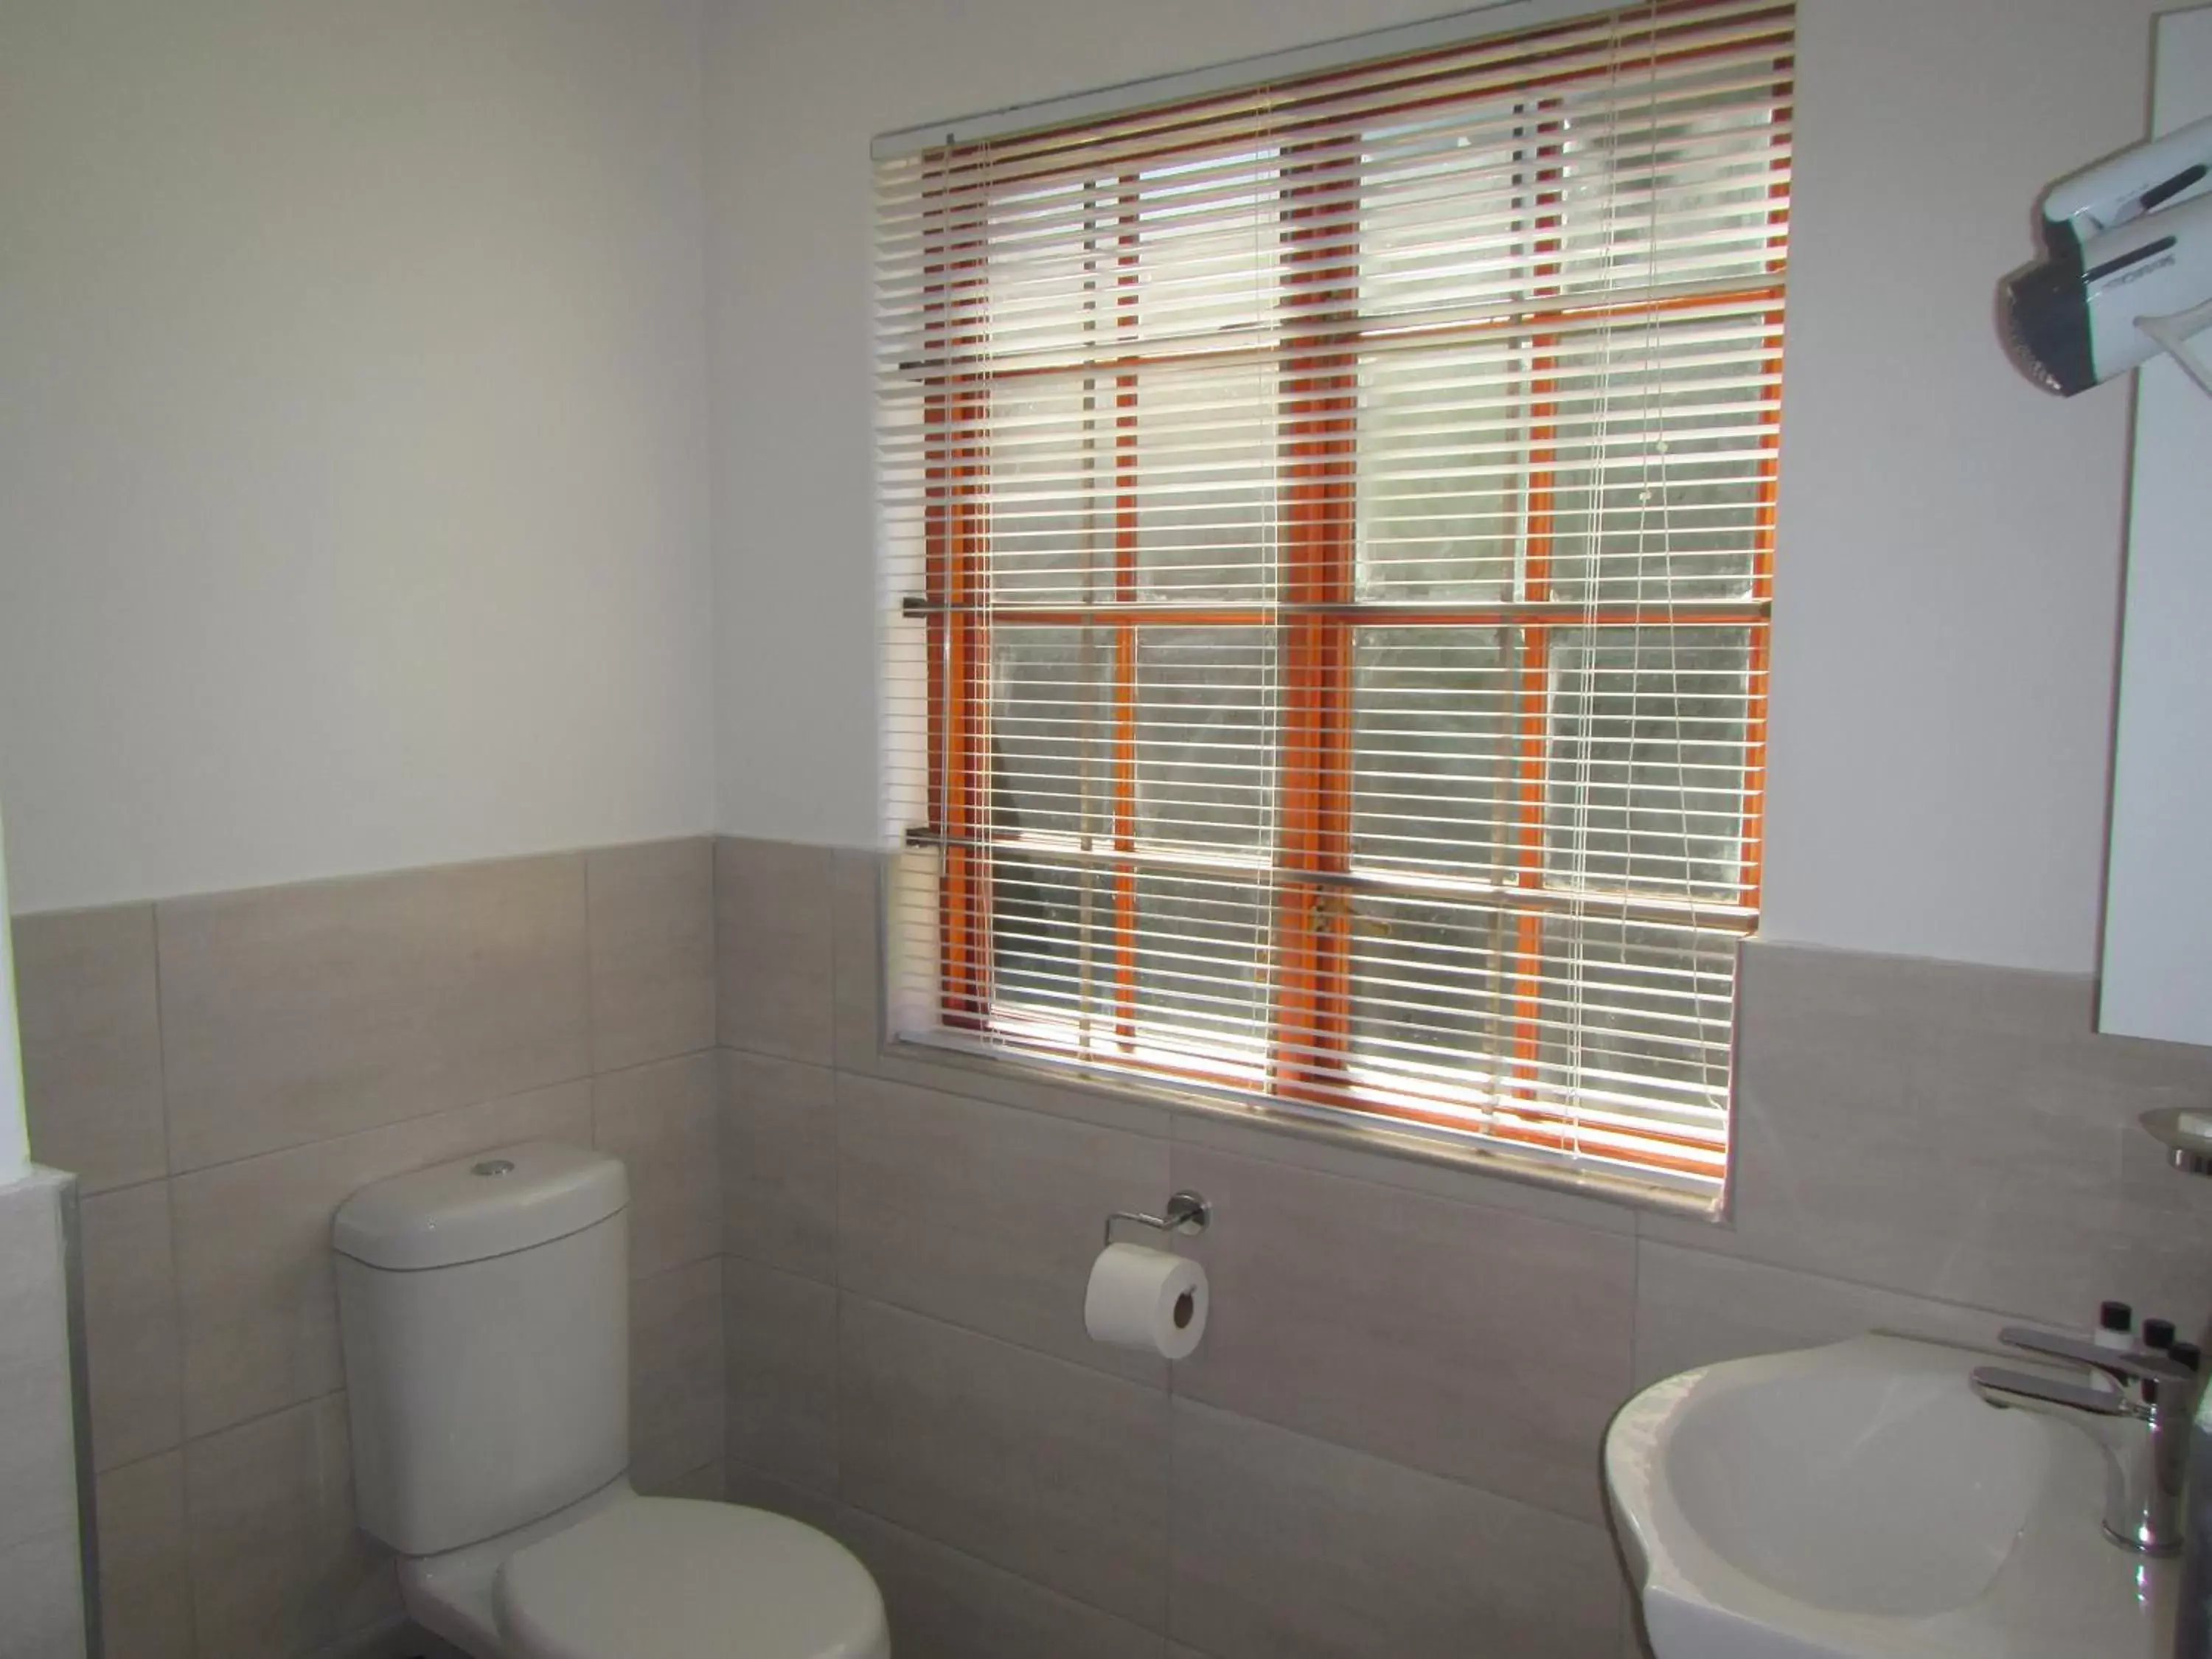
(1145, 1299)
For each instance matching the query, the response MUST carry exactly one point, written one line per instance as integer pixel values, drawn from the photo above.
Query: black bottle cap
(2158, 1333)
(2186, 1353)
(2116, 1316)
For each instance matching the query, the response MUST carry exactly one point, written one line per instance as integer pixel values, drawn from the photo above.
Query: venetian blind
(1329, 539)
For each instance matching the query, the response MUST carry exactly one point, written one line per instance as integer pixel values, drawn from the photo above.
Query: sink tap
(2142, 1423)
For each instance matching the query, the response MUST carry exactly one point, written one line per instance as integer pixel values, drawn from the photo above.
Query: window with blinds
(1329, 536)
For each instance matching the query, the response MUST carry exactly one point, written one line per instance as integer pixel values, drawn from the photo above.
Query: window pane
(1205, 733)
(1637, 1009)
(1659, 451)
(1644, 779)
(1200, 946)
(1051, 940)
(1443, 457)
(1432, 748)
(1205, 481)
(1444, 209)
(1428, 990)
(1051, 725)
(1204, 263)
(1049, 247)
(1676, 191)
(1051, 510)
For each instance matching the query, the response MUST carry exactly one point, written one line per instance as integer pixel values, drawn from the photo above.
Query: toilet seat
(679, 1578)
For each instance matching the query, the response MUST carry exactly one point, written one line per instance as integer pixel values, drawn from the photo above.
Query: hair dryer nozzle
(2045, 323)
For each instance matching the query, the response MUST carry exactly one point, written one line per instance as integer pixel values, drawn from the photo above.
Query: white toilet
(486, 1309)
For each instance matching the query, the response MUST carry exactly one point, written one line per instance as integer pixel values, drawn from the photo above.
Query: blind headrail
(1457, 28)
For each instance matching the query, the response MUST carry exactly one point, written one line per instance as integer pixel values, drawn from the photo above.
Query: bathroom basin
(1858, 1501)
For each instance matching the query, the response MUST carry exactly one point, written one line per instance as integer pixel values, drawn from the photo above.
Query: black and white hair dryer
(2127, 267)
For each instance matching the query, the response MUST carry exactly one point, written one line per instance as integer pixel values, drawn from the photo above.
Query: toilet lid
(676, 1578)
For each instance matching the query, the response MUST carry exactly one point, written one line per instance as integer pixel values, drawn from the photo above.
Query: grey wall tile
(294, 1014)
(707, 1484)
(772, 950)
(984, 1215)
(860, 1048)
(41, 1586)
(780, 1164)
(943, 1604)
(89, 1011)
(37, 1443)
(1008, 1083)
(652, 909)
(1287, 1547)
(1693, 1308)
(757, 1490)
(856, 934)
(278, 1568)
(1053, 1471)
(1327, 1152)
(256, 1298)
(1420, 1330)
(145, 1577)
(781, 1367)
(133, 1361)
(1954, 1131)
(660, 1121)
(676, 1386)
(2157, 1251)
(400, 1639)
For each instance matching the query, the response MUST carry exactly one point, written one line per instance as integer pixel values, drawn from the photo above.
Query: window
(1330, 532)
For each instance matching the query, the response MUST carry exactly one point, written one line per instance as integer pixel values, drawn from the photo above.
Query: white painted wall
(1949, 537)
(353, 435)
(1947, 530)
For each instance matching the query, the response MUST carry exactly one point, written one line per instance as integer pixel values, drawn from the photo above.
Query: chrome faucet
(2141, 1421)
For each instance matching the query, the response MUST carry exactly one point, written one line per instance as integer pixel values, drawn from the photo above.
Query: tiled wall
(1388, 1444)
(222, 1071)
(867, 1311)
(41, 1593)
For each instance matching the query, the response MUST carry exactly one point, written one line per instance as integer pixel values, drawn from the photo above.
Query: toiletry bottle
(2116, 1330)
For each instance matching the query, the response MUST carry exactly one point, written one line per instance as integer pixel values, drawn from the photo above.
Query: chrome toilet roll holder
(1187, 1213)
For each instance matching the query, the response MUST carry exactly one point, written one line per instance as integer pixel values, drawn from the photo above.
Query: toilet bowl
(484, 1308)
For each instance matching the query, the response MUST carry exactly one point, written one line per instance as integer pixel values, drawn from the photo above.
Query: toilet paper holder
(1187, 1213)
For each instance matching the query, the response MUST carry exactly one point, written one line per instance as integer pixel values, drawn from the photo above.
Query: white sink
(1858, 1501)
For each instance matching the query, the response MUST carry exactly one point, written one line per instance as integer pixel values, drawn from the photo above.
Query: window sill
(1417, 1154)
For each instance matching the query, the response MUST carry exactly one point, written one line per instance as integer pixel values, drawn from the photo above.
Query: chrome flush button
(493, 1166)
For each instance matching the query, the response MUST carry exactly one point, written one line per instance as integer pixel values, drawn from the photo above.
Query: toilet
(484, 1307)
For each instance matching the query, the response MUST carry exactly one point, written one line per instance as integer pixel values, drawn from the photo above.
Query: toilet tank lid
(485, 1205)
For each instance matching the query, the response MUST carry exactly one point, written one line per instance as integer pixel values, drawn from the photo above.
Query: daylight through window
(1330, 536)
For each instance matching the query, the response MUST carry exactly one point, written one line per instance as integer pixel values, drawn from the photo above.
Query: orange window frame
(1311, 1015)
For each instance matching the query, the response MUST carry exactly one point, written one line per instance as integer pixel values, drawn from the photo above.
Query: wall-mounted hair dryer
(2127, 267)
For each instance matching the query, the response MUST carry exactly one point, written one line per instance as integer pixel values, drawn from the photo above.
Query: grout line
(1635, 1306)
(1600, 1523)
(934, 1542)
(190, 1439)
(1084, 1366)
(591, 974)
(737, 1466)
(176, 1290)
(161, 1038)
(547, 1087)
